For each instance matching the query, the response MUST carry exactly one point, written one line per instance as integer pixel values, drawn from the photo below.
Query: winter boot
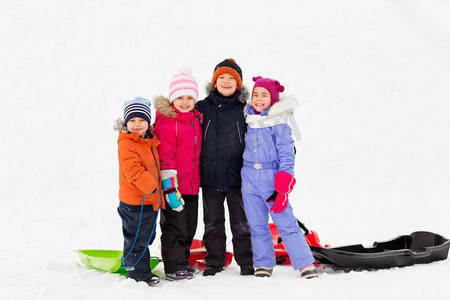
(309, 272)
(263, 272)
(153, 280)
(191, 269)
(211, 271)
(247, 270)
(179, 275)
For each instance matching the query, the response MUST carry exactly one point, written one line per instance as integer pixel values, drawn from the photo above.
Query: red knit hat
(228, 66)
(272, 85)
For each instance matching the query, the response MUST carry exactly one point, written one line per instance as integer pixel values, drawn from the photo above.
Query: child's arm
(167, 135)
(134, 172)
(284, 144)
(284, 179)
(167, 153)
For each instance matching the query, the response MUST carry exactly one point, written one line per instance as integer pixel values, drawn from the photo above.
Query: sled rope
(137, 233)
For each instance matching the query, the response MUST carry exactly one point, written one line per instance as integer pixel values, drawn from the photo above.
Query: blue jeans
(130, 220)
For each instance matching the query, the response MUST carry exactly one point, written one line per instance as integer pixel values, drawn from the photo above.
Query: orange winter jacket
(139, 170)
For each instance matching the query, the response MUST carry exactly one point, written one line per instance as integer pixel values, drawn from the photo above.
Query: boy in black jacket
(220, 168)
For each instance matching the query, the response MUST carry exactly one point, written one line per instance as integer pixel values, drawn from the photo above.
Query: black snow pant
(215, 237)
(131, 216)
(177, 232)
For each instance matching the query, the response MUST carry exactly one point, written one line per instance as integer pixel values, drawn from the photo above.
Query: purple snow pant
(257, 186)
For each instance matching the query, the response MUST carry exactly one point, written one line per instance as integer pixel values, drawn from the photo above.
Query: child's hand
(174, 200)
(170, 190)
(281, 202)
(284, 183)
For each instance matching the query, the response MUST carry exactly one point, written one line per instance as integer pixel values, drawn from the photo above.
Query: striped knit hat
(228, 66)
(183, 84)
(137, 107)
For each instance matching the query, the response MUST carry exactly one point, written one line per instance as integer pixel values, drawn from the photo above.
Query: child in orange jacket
(139, 188)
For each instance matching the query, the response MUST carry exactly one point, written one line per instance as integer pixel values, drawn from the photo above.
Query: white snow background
(372, 79)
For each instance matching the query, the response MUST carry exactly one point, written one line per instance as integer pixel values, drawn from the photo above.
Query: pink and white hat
(183, 84)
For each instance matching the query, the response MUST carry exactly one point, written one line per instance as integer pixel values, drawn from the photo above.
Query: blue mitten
(170, 190)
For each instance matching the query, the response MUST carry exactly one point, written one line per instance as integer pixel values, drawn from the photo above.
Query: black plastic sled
(417, 248)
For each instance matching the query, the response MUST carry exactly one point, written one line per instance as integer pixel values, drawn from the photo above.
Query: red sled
(281, 254)
(198, 254)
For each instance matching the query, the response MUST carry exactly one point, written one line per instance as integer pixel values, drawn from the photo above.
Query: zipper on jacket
(239, 131)
(195, 152)
(206, 131)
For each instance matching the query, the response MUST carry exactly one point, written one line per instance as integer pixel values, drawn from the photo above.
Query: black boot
(247, 270)
(211, 271)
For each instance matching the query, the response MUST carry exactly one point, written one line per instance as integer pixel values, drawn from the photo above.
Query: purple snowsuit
(269, 150)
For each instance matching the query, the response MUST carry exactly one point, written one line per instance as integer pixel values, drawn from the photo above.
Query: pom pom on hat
(228, 66)
(272, 85)
(138, 107)
(183, 84)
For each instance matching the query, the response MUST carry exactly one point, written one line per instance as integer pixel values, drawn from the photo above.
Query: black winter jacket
(223, 141)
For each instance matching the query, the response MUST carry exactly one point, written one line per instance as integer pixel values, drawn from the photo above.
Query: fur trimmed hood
(244, 96)
(284, 106)
(120, 126)
(162, 105)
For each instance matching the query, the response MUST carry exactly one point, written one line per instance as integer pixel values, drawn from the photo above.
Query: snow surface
(374, 162)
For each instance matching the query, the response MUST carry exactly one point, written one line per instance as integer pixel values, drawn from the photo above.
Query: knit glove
(170, 190)
(284, 183)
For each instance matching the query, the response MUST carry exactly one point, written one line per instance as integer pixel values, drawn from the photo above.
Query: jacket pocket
(239, 132)
(207, 173)
(206, 130)
(234, 174)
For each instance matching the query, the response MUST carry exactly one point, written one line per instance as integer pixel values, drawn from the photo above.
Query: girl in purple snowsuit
(268, 173)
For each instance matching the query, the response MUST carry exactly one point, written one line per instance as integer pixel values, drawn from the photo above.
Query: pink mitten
(284, 183)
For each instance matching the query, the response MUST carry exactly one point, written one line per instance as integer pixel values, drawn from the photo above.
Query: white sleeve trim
(168, 173)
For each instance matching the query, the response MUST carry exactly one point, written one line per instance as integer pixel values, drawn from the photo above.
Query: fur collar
(120, 126)
(243, 97)
(162, 104)
(285, 105)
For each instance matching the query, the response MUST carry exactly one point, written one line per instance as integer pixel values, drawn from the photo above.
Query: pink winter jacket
(181, 140)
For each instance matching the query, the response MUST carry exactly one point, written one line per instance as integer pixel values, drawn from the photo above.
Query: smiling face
(184, 103)
(260, 99)
(226, 84)
(138, 125)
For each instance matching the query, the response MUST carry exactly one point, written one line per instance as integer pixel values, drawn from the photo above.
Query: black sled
(417, 248)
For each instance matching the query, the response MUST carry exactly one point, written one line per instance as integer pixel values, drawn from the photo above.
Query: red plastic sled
(198, 251)
(198, 254)
(281, 254)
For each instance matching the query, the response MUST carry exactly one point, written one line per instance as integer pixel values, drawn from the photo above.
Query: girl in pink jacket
(178, 127)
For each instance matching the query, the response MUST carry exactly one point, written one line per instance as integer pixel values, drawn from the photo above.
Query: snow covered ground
(374, 161)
